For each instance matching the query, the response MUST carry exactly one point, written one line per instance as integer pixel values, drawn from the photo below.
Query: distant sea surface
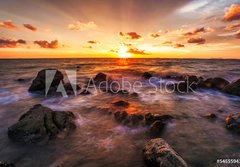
(99, 140)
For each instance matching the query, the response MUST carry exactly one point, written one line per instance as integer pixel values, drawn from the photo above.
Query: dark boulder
(157, 153)
(85, 92)
(120, 116)
(71, 88)
(157, 127)
(233, 122)
(214, 83)
(191, 79)
(5, 164)
(211, 116)
(99, 79)
(147, 75)
(233, 88)
(134, 94)
(183, 87)
(121, 103)
(133, 119)
(40, 124)
(39, 83)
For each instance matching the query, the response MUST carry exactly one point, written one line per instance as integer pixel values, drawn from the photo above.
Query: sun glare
(123, 53)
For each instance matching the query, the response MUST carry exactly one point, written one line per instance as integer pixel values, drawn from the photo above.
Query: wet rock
(214, 83)
(40, 124)
(121, 103)
(147, 75)
(22, 80)
(151, 118)
(120, 116)
(99, 79)
(38, 84)
(5, 164)
(133, 119)
(134, 94)
(157, 127)
(69, 88)
(233, 88)
(191, 79)
(233, 122)
(211, 116)
(183, 87)
(157, 153)
(175, 77)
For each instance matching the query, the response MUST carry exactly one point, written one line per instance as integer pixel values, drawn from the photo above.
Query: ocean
(99, 140)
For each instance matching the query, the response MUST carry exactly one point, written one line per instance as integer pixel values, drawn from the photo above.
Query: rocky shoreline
(41, 124)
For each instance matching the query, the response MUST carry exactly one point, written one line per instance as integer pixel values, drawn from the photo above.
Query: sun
(123, 53)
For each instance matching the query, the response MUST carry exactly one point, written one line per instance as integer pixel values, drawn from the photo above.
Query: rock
(157, 153)
(175, 77)
(120, 116)
(147, 75)
(38, 84)
(40, 124)
(5, 164)
(211, 116)
(233, 122)
(121, 103)
(133, 119)
(233, 88)
(214, 83)
(100, 77)
(157, 127)
(134, 94)
(69, 88)
(21, 80)
(191, 79)
(184, 87)
(151, 118)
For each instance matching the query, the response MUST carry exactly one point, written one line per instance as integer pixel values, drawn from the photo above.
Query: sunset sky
(120, 28)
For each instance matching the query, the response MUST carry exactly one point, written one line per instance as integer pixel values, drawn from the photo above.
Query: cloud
(50, 45)
(79, 26)
(130, 35)
(127, 44)
(30, 27)
(9, 43)
(232, 13)
(178, 45)
(238, 34)
(136, 51)
(167, 43)
(152, 35)
(198, 30)
(87, 47)
(197, 40)
(8, 24)
(93, 42)
(232, 27)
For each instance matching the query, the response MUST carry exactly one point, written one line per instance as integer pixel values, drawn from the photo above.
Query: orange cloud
(8, 24)
(232, 13)
(167, 43)
(87, 47)
(198, 30)
(93, 42)
(153, 35)
(79, 26)
(197, 40)
(178, 45)
(238, 34)
(130, 35)
(50, 45)
(30, 27)
(232, 27)
(136, 51)
(9, 43)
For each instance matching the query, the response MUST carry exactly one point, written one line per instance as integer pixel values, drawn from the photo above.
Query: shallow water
(99, 140)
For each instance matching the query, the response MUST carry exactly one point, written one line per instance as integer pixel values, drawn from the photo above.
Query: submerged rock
(85, 92)
(214, 83)
(233, 122)
(233, 88)
(191, 79)
(121, 103)
(183, 87)
(120, 116)
(39, 83)
(157, 127)
(211, 116)
(147, 75)
(151, 118)
(128, 119)
(41, 124)
(157, 153)
(5, 164)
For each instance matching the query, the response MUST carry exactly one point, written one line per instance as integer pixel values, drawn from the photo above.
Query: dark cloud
(8, 24)
(198, 30)
(50, 45)
(178, 45)
(154, 35)
(30, 27)
(9, 43)
(136, 51)
(232, 13)
(232, 27)
(197, 40)
(93, 42)
(130, 35)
